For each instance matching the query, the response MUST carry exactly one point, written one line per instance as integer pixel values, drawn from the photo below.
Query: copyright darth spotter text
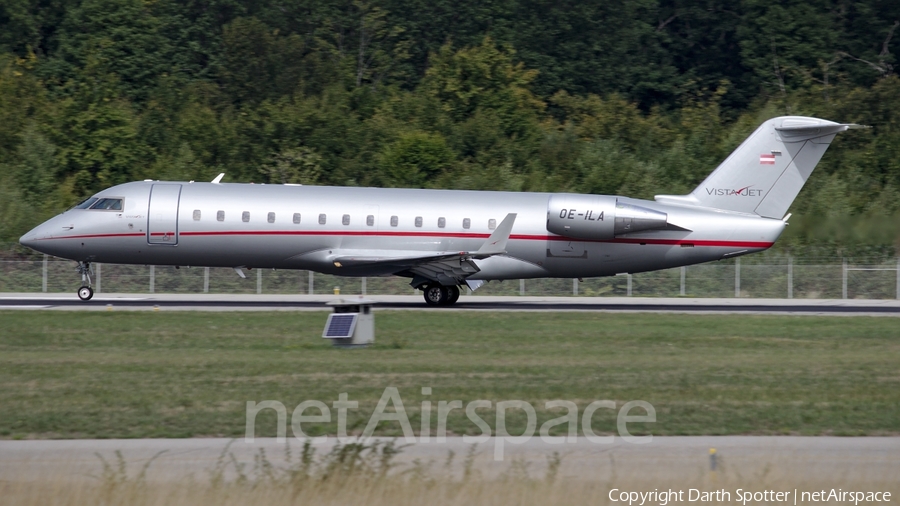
(658, 497)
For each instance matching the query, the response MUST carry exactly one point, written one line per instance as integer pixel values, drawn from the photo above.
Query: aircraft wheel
(85, 293)
(453, 294)
(436, 295)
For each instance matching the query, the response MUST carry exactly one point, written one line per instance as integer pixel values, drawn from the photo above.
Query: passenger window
(492, 224)
(271, 217)
(394, 221)
(442, 222)
(321, 219)
(108, 204)
(245, 216)
(419, 221)
(370, 220)
(196, 215)
(296, 218)
(220, 216)
(346, 219)
(467, 223)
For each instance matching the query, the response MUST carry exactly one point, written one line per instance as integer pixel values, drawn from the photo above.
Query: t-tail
(766, 172)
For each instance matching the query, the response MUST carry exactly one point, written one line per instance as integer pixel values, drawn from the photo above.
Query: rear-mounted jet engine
(599, 217)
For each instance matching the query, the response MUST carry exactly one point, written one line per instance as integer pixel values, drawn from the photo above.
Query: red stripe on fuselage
(356, 233)
(441, 235)
(91, 236)
(464, 235)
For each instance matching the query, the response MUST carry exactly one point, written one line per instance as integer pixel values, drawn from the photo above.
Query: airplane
(444, 239)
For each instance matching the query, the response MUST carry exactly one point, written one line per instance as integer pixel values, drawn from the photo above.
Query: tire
(436, 295)
(453, 294)
(85, 293)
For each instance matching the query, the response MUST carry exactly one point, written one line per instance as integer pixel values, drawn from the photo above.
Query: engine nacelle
(599, 217)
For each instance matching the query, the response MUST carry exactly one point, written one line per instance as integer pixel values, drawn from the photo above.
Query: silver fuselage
(247, 225)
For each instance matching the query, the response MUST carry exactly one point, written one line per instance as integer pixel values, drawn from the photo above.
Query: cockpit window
(86, 203)
(108, 204)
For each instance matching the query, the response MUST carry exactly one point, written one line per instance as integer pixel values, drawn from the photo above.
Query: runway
(243, 302)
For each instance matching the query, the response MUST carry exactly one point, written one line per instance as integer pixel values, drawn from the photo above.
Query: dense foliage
(635, 97)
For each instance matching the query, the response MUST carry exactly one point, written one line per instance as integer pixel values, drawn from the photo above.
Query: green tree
(118, 37)
(294, 166)
(493, 118)
(35, 170)
(596, 46)
(415, 160)
(21, 99)
(257, 63)
(481, 77)
(97, 134)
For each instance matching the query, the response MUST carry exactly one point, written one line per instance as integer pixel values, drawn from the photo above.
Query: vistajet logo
(747, 191)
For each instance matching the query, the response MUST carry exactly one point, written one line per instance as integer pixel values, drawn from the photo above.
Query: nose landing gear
(85, 292)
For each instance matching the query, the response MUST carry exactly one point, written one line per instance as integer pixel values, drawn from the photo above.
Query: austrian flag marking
(767, 159)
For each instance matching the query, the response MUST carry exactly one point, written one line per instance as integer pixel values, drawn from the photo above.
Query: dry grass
(391, 491)
(356, 474)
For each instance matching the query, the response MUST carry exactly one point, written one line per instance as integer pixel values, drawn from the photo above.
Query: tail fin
(766, 172)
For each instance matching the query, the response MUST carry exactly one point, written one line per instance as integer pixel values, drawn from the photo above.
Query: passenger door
(162, 217)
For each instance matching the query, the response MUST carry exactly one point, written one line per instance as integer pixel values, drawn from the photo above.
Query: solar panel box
(352, 324)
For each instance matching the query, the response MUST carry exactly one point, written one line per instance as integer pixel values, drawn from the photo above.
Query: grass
(190, 374)
(398, 492)
(360, 474)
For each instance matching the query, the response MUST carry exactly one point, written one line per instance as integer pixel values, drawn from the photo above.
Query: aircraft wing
(448, 268)
(445, 267)
(350, 258)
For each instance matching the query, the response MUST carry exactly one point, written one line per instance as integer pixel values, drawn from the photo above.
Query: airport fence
(765, 276)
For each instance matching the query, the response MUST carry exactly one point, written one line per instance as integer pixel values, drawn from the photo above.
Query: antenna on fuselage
(218, 178)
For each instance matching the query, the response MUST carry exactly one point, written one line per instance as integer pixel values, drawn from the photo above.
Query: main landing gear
(85, 292)
(439, 295)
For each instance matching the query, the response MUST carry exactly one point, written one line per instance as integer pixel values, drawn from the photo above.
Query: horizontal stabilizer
(800, 129)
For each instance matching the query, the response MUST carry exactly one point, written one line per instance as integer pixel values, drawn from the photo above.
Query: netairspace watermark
(744, 497)
(501, 436)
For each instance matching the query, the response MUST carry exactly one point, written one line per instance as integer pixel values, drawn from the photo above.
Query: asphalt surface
(741, 460)
(466, 303)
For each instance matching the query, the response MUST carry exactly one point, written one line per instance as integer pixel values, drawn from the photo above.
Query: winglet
(496, 243)
(218, 178)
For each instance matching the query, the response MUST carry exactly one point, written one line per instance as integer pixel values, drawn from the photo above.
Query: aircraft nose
(33, 237)
(29, 239)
